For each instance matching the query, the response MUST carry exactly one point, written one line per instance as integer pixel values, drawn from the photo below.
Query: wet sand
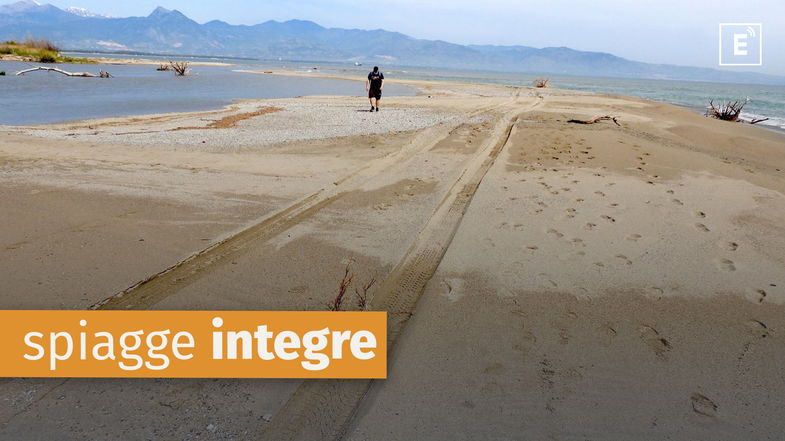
(545, 280)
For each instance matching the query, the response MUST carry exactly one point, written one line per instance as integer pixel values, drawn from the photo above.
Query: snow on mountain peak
(83, 12)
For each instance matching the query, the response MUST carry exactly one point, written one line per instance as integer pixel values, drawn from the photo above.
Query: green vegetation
(38, 50)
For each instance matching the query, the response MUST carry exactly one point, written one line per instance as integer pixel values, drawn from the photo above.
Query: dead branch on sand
(541, 83)
(362, 294)
(337, 302)
(180, 68)
(101, 74)
(729, 111)
(163, 68)
(755, 121)
(596, 120)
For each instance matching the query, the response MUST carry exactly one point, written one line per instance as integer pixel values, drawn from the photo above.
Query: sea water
(41, 97)
(762, 101)
(49, 97)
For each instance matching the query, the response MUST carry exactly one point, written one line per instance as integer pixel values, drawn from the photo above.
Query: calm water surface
(47, 97)
(42, 97)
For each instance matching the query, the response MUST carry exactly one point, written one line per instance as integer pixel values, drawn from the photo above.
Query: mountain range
(170, 32)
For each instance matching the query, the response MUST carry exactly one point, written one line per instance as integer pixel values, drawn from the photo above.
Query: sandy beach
(544, 279)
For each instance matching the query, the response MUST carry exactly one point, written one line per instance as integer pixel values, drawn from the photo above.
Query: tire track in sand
(166, 283)
(163, 284)
(323, 409)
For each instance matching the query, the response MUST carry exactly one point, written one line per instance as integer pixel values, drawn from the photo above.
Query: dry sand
(550, 280)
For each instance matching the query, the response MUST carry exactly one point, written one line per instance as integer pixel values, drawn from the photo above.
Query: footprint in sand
(677, 202)
(590, 226)
(703, 406)
(731, 246)
(703, 228)
(533, 247)
(700, 215)
(726, 265)
(600, 194)
(608, 332)
(555, 233)
(759, 295)
(613, 205)
(634, 237)
(608, 218)
(659, 344)
(757, 328)
(670, 192)
(578, 243)
(624, 259)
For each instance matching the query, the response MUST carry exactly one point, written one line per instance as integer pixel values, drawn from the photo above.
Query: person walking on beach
(374, 87)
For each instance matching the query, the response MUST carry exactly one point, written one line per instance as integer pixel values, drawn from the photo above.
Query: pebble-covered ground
(299, 119)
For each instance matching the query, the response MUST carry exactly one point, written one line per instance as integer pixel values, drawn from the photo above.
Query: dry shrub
(180, 68)
(362, 294)
(336, 304)
(41, 43)
(541, 83)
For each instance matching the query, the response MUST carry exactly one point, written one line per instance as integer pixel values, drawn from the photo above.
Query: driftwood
(731, 111)
(541, 83)
(101, 74)
(596, 120)
(726, 112)
(180, 68)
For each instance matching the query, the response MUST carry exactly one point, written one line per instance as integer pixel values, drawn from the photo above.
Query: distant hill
(170, 32)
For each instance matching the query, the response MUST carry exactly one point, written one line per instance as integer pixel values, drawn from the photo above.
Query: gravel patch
(298, 120)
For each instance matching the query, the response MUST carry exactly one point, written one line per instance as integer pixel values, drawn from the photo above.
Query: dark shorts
(375, 93)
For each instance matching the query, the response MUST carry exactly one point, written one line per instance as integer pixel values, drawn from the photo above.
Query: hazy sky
(664, 31)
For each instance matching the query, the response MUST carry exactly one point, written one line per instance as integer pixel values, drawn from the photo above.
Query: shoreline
(420, 85)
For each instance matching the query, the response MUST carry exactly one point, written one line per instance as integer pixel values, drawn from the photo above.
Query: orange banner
(193, 344)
